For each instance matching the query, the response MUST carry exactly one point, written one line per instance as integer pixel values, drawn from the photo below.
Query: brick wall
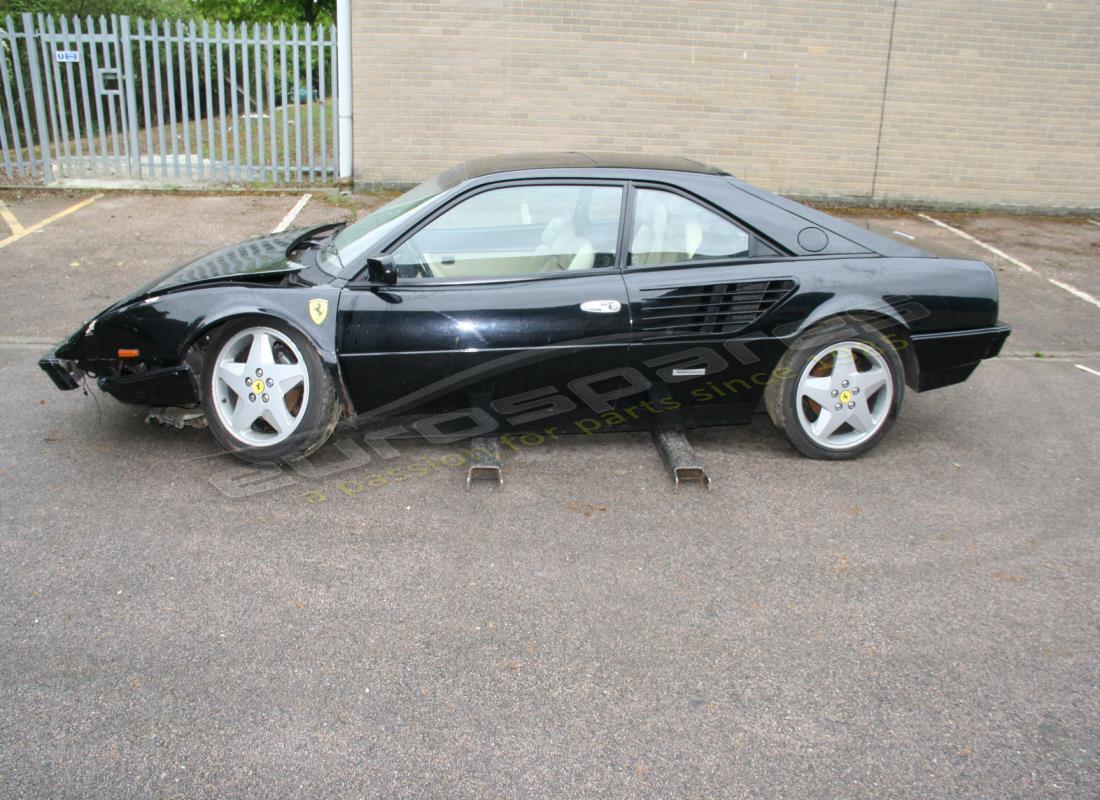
(994, 104)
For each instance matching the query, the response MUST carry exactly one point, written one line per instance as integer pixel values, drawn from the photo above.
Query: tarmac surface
(922, 622)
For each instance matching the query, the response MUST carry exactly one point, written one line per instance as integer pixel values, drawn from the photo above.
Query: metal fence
(176, 102)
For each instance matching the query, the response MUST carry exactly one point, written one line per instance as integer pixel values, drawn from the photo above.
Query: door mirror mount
(382, 269)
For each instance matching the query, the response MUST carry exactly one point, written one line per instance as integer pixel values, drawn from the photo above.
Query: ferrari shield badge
(318, 310)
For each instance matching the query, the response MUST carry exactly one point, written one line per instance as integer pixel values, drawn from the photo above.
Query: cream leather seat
(562, 249)
(648, 245)
(689, 235)
(663, 238)
(681, 241)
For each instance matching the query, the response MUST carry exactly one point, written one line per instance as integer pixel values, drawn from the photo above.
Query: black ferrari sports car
(551, 293)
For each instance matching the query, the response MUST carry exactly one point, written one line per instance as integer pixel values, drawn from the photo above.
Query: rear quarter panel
(925, 295)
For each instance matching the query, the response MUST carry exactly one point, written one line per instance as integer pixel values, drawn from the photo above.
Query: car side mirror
(382, 269)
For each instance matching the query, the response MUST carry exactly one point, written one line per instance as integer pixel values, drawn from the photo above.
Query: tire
(289, 402)
(837, 390)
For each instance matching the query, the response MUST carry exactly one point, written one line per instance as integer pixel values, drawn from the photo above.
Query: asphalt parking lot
(920, 623)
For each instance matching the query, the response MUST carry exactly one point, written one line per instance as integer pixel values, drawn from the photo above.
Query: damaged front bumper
(65, 374)
(160, 386)
(141, 384)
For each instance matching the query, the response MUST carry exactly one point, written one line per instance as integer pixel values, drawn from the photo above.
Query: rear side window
(670, 229)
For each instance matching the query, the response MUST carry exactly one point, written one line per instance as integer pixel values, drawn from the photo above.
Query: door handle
(601, 306)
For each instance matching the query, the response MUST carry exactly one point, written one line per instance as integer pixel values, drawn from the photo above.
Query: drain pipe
(343, 86)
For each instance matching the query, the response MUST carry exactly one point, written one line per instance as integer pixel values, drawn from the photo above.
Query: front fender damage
(167, 336)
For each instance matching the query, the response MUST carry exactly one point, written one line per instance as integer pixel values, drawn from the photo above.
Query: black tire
(315, 422)
(781, 396)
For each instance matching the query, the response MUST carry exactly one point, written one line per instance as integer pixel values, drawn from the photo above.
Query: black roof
(477, 167)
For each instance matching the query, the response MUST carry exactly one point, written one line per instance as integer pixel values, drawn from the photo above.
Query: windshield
(363, 237)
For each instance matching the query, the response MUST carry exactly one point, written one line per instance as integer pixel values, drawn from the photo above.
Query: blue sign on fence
(67, 55)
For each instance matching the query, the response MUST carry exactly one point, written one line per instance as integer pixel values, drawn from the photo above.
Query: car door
(509, 300)
(701, 287)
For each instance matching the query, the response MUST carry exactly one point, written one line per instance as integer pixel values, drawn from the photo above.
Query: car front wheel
(836, 393)
(267, 396)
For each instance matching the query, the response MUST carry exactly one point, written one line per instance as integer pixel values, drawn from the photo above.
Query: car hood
(258, 256)
(261, 255)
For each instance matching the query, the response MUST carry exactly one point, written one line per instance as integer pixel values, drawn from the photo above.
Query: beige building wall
(995, 105)
(998, 104)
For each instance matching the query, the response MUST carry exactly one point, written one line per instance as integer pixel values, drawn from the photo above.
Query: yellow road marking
(16, 236)
(8, 217)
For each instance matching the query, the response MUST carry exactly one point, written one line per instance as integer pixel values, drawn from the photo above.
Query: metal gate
(174, 102)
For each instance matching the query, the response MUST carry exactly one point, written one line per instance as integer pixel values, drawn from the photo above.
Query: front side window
(517, 230)
(362, 237)
(670, 229)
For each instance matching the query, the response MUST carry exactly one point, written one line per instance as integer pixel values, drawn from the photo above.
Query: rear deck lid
(907, 235)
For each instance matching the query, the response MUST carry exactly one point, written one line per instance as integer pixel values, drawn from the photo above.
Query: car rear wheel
(267, 396)
(837, 391)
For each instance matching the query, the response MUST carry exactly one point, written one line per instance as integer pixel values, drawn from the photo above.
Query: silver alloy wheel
(844, 395)
(260, 386)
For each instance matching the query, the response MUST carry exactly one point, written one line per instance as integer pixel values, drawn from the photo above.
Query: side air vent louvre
(723, 308)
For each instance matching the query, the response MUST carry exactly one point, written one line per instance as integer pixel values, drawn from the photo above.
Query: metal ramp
(680, 458)
(485, 462)
(676, 452)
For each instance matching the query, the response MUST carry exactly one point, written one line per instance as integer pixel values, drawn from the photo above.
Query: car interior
(540, 229)
(670, 229)
(515, 231)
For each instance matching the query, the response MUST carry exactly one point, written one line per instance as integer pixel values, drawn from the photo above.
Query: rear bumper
(63, 372)
(946, 358)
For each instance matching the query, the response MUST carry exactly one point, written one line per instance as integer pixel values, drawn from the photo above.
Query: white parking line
(1088, 298)
(1092, 222)
(1073, 290)
(1045, 356)
(1086, 369)
(978, 242)
(25, 341)
(289, 218)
